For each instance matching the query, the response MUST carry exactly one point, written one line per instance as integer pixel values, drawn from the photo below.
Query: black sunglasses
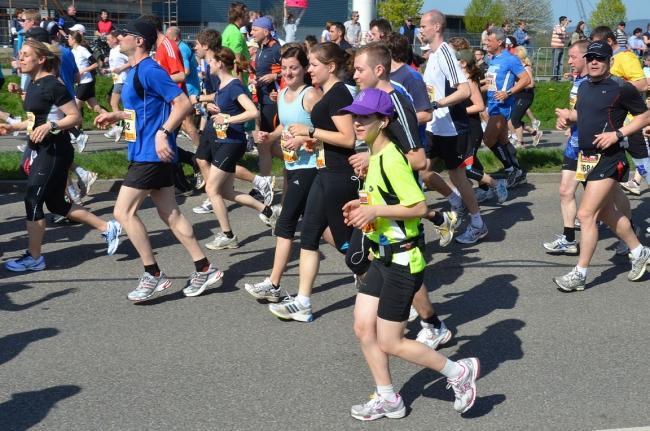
(597, 58)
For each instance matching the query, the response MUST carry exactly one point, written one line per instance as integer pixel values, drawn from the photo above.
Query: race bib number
(130, 133)
(491, 81)
(586, 164)
(31, 120)
(290, 156)
(431, 91)
(366, 199)
(573, 99)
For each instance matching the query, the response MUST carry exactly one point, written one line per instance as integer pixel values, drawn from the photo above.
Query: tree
(536, 13)
(480, 12)
(396, 11)
(607, 12)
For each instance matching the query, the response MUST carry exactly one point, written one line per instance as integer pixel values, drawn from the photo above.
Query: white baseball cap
(78, 27)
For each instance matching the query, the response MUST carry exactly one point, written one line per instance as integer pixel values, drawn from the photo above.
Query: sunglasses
(597, 58)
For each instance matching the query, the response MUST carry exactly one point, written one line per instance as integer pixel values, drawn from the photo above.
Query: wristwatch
(434, 105)
(619, 135)
(165, 131)
(312, 130)
(53, 127)
(509, 93)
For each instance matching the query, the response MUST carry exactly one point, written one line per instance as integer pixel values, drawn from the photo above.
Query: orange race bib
(586, 164)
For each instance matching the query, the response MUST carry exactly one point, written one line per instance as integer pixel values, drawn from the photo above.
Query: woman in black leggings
(335, 182)
(50, 109)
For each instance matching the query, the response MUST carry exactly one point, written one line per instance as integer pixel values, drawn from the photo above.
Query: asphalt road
(76, 355)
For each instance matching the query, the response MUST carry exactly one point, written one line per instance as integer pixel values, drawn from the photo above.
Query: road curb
(113, 186)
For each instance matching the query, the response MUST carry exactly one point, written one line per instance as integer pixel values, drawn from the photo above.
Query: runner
(603, 103)
(448, 132)
(566, 243)
(118, 64)
(149, 93)
(522, 103)
(333, 185)
(504, 68)
(234, 109)
(295, 104)
(388, 210)
(50, 110)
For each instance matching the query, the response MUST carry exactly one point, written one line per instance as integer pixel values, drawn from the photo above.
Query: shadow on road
(26, 409)
(11, 345)
(7, 304)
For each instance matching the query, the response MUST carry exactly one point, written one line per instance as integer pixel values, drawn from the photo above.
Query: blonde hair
(522, 53)
(50, 52)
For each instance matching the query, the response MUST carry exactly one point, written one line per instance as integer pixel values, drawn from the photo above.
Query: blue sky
(636, 9)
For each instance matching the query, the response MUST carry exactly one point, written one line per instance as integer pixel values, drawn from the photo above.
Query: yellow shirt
(626, 65)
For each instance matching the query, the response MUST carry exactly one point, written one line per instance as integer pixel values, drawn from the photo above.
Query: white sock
(454, 198)
(387, 392)
(305, 301)
(451, 370)
(581, 270)
(81, 172)
(637, 251)
(477, 221)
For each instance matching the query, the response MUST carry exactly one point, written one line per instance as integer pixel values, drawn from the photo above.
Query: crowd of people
(359, 127)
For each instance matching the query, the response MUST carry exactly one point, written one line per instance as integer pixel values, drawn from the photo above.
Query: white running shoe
(432, 338)
(561, 245)
(148, 286)
(264, 290)
(81, 142)
(204, 208)
(74, 193)
(378, 408)
(447, 229)
(465, 386)
(117, 133)
(473, 234)
(199, 281)
(537, 138)
(87, 182)
(291, 309)
(221, 242)
(110, 134)
(632, 187)
(273, 218)
(265, 187)
(536, 124)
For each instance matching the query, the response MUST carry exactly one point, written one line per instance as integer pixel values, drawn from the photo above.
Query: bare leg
(459, 179)
(390, 336)
(568, 186)
(422, 303)
(280, 259)
(35, 232)
(309, 264)
(365, 328)
(80, 214)
(126, 213)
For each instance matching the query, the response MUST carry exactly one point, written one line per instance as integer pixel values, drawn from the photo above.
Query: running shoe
(221, 242)
(571, 282)
(74, 193)
(432, 338)
(536, 124)
(473, 234)
(465, 385)
(87, 182)
(21, 147)
(447, 229)
(81, 142)
(632, 187)
(204, 208)
(117, 133)
(199, 181)
(501, 190)
(148, 286)
(639, 265)
(273, 218)
(264, 290)
(199, 281)
(112, 236)
(561, 245)
(265, 187)
(59, 219)
(110, 134)
(378, 408)
(537, 137)
(257, 195)
(413, 314)
(25, 263)
(516, 177)
(484, 195)
(621, 248)
(291, 309)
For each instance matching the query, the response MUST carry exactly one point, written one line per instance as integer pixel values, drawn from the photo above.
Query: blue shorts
(504, 109)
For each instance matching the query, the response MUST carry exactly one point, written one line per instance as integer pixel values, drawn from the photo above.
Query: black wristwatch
(434, 105)
(509, 93)
(312, 130)
(165, 131)
(619, 135)
(53, 127)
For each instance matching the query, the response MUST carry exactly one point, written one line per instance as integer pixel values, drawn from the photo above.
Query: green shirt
(233, 38)
(390, 181)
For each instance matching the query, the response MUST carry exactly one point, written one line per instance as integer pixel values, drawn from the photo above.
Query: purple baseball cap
(371, 101)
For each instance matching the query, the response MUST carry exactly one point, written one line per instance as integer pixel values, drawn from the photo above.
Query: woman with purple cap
(388, 211)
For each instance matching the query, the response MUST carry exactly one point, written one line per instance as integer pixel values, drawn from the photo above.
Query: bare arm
(250, 111)
(178, 77)
(478, 105)
(462, 92)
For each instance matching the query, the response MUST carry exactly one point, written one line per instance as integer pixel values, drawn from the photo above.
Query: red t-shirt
(169, 58)
(105, 27)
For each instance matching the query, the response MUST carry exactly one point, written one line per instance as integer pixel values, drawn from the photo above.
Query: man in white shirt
(353, 30)
(290, 24)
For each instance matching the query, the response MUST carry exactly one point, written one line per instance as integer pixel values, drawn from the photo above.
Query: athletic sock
(570, 233)
(267, 211)
(637, 251)
(228, 234)
(387, 392)
(81, 172)
(152, 269)
(305, 301)
(433, 321)
(454, 199)
(476, 220)
(451, 370)
(202, 265)
(500, 153)
(437, 218)
(581, 270)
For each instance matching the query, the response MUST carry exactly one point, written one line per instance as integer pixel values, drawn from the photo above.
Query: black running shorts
(149, 175)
